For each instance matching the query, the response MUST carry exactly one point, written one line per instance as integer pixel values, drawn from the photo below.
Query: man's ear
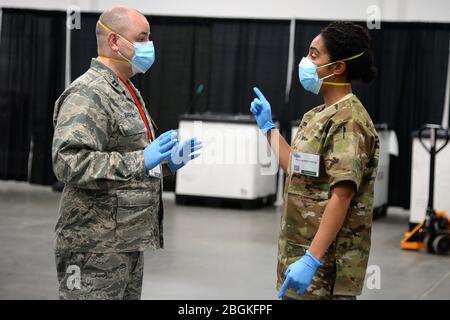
(112, 41)
(339, 68)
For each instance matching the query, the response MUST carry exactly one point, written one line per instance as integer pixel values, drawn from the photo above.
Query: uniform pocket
(295, 250)
(137, 215)
(305, 201)
(131, 135)
(130, 127)
(308, 187)
(301, 219)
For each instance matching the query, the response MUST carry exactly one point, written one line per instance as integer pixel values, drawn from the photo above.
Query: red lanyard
(141, 111)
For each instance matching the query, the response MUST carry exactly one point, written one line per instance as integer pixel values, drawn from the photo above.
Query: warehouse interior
(222, 212)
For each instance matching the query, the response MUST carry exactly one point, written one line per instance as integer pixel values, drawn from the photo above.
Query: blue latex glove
(159, 150)
(260, 108)
(300, 274)
(183, 152)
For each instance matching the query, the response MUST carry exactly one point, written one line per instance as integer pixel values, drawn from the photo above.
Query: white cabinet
(236, 161)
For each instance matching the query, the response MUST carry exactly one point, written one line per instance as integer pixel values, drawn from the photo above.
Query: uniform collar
(114, 80)
(136, 91)
(337, 104)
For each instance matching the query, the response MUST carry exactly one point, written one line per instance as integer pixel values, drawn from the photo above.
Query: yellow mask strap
(115, 60)
(109, 29)
(353, 57)
(346, 59)
(341, 84)
(104, 26)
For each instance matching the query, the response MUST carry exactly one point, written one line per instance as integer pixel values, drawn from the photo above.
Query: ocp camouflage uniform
(111, 209)
(345, 138)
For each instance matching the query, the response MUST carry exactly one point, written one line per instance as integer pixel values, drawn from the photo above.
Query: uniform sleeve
(79, 152)
(345, 154)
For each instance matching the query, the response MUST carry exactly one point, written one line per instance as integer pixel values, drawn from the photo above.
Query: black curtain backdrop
(410, 90)
(412, 60)
(183, 47)
(227, 57)
(83, 45)
(248, 53)
(182, 64)
(183, 53)
(300, 100)
(32, 58)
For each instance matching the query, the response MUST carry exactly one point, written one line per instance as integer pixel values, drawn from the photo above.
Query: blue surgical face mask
(143, 57)
(309, 79)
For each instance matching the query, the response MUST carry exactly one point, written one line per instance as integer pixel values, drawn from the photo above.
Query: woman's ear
(339, 68)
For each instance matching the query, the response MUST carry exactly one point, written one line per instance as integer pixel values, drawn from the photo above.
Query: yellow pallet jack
(434, 232)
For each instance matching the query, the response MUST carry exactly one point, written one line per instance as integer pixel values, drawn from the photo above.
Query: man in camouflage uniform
(104, 142)
(344, 135)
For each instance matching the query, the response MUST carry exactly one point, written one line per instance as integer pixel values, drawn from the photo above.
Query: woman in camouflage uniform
(331, 168)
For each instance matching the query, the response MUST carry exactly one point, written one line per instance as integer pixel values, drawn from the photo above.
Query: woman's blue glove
(300, 274)
(183, 152)
(260, 108)
(159, 150)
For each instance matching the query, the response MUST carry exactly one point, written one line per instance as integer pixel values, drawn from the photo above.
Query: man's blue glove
(183, 152)
(159, 150)
(300, 274)
(260, 108)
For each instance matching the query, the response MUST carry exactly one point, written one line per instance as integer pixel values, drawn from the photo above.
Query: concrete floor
(210, 253)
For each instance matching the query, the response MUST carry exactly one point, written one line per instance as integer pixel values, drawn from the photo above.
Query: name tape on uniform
(305, 163)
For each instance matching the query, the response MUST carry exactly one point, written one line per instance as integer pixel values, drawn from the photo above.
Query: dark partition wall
(32, 70)
(248, 53)
(224, 56)
(409, 91)
(221, 58)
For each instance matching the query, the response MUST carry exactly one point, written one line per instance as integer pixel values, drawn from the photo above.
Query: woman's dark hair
(346, 39)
